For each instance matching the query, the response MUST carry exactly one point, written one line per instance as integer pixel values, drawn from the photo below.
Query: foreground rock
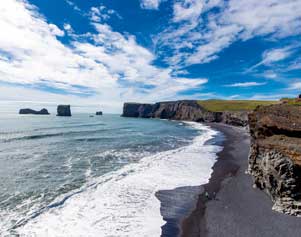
(275, 156)
(31, 111)
(189, 110)
(64, 110)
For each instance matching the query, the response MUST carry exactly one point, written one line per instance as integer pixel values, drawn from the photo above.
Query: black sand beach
(234, 207)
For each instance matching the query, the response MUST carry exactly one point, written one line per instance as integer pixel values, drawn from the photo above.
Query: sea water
(95, 176)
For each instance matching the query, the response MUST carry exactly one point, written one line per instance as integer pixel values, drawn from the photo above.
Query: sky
(106, 52)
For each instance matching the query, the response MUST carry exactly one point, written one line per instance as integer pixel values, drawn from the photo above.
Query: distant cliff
(275, 155)
(36, 112)
(189, 110)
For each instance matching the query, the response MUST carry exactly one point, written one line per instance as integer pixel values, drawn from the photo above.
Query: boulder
(64, 110)
(31, 111)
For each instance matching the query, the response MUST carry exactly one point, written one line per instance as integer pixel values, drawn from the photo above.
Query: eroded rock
(189, 110)
(275, 155)
(31, 111)
(64, 110)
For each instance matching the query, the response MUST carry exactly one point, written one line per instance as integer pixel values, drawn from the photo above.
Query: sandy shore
(234, 208)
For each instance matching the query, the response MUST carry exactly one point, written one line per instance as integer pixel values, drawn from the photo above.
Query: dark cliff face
(31, 111)
(64, 110)
(137, 110)
(188, 110)
(275, 155)
(184, 110)
(177, 110)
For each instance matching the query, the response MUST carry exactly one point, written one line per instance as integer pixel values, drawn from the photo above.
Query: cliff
(275, 155)
(31, 111)
(189, 110)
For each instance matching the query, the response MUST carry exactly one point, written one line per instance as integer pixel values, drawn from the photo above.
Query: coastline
(234, 207)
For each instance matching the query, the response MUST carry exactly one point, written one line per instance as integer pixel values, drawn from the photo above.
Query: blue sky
(106, 52)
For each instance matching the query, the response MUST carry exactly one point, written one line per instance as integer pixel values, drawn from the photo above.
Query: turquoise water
(46, 160)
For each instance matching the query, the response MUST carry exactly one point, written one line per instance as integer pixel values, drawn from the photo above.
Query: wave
(123, 203)
(58, 134)
(51, 128)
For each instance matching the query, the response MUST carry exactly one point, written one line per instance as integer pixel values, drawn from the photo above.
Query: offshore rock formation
(31, 111)
(275, 155)
(64, 110)
(98, 113)
(189, 110)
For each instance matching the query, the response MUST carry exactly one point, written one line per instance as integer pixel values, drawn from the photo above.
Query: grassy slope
(233, 105)
(292, 101)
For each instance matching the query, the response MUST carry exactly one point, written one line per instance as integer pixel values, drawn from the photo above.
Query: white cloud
(150, 4)
(274, 55)
(270, 75)
(73, 5)
(246, 84)
(102, 14)
(295, 86)
(201, 36)
(187, 10)
(110, 66)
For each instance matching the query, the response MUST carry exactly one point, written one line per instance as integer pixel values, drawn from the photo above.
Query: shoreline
(195, 223)
(234, 207)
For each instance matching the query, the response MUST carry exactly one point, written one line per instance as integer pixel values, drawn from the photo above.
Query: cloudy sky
(104, 52)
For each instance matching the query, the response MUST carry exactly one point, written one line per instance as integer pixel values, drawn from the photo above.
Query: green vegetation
(233, 105)
(291, 101)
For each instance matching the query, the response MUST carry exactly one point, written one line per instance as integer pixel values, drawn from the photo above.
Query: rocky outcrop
(137, 110)
(235, 118)
(64, 110)
(31, 111)
(98, 113)
(275, 155)
(189, 110)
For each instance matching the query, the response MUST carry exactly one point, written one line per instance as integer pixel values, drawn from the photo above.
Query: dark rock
(31, 111)
(189, 110)
(137, 110)
(99, 113)
(275, 155)
(64, 110)
(235, 118)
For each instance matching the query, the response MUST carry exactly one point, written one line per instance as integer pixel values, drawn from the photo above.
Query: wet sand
(232, 207)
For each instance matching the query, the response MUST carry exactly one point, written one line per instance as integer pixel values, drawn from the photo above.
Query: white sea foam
(123, 203)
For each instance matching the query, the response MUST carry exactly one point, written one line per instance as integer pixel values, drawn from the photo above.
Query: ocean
(95, 176)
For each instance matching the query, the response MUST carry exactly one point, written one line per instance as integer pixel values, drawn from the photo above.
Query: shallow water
(98, 176)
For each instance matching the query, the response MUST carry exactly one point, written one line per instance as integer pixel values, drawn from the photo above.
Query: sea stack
(64, 110)
(31, 111)
(99, 113)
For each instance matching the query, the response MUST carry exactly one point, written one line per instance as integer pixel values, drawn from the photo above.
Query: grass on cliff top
(233, 105)
(291, 101)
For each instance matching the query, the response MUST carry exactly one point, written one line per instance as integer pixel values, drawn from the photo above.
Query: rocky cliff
(31, 111)
(189, 110)
(275, 155)
(64, 110)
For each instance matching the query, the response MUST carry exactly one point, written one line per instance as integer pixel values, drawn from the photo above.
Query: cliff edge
(275, 155)
(188, 110)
